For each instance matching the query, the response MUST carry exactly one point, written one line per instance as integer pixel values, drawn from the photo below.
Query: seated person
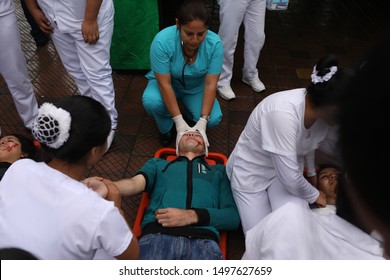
(296, 232)
(190, 202)
(14, 147)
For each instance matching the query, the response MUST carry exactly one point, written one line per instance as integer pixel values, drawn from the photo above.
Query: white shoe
(256, 84)
(226, 92)
(110, 138)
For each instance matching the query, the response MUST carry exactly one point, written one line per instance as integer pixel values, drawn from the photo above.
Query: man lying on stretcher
(190, 203)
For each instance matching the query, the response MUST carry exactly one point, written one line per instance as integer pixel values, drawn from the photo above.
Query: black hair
(27, 146)
(363, 126)
(192, 10)
(14, 253)
(90, 126)
(327, 165)
(328, 93)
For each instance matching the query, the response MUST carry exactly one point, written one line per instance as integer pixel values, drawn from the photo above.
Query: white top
(275, 127)
(69, 14)
(328, 210)
(55, 217)
(328, 151)
(6, 7)
(297, 233)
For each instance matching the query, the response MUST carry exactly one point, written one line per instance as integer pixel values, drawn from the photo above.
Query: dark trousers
(38, 35)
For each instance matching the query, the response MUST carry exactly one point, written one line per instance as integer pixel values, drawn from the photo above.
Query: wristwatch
(206, 117)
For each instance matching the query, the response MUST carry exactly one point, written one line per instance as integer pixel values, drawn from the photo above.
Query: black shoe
(166, 139)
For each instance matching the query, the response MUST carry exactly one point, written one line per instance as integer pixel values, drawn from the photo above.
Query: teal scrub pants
(155, 107)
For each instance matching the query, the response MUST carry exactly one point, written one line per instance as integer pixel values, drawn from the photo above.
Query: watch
(206, 117)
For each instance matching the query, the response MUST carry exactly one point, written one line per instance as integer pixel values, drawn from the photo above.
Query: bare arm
(210, 93)
(167, 93)
(89, 27)
(126, 187)
(40, 18)
(131, 186)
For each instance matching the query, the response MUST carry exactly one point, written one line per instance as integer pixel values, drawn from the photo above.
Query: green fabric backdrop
(136, 24)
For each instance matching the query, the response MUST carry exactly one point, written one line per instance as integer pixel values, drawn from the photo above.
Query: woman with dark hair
(14, 147)
(279, 140)
(60, 217)
(186, 60)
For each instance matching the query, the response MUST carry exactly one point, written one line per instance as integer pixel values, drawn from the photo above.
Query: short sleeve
(149, 171)
(215, 66)
(159, 57)
(113, 234)
(279, 132)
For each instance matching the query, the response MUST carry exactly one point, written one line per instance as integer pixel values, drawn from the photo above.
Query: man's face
(192, 141)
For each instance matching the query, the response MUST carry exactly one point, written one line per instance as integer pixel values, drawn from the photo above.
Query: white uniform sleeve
(113, 234)
(287, 170)
(328, 151)
(279, 133)
(329, 144)
(310, 165)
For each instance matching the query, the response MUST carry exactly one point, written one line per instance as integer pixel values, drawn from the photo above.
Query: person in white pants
(266, 167)
(81, 31)
(333, 232)
(232, 13)
(13, 66)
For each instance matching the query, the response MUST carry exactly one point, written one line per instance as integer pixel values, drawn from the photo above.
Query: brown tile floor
(295, 40)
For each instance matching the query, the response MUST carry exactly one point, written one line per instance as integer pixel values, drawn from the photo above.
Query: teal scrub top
(166, 58)
(191, 184)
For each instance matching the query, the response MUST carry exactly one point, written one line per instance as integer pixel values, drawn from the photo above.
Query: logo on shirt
(201, 168)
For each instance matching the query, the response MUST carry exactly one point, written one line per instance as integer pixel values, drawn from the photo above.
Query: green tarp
(136, 24)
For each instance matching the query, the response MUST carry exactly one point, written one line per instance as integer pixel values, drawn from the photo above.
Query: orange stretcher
(170, 154)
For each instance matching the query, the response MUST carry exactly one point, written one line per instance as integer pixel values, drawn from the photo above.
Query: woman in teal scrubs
(186, 61)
